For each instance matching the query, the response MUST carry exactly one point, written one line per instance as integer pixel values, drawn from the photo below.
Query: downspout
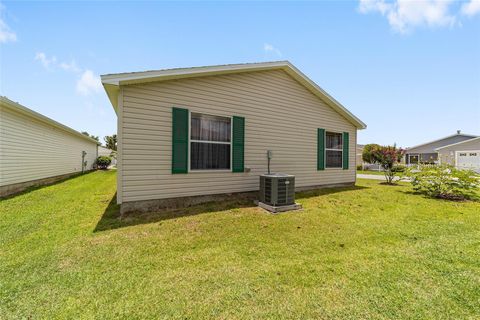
(83, 161)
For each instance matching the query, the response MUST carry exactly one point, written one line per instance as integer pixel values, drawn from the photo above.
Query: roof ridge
(460, 142)
(197, 67)
(450, 136)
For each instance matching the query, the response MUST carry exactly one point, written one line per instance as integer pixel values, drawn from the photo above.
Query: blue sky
(410, 70)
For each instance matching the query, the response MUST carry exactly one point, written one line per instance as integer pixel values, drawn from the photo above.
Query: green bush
(443, 181)
(399, 168)
(359, 167)
(103, 162)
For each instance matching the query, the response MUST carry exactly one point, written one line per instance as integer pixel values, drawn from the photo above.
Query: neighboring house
(358, 154)
(102, 151)
(192, 133)
(36, 150)
(463, 155)
(426, 152)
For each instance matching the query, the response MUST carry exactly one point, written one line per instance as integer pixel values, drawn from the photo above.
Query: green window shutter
(320, 149)
(179, 140)
(238, 144)
(345, 150)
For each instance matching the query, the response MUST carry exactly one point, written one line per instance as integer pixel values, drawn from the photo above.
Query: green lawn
(370, 251)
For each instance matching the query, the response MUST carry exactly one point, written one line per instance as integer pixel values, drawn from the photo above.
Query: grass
(365, 252)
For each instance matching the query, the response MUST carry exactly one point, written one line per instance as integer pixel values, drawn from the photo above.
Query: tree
(387, 157)
(92, 136)
(111, 142)
(367, 152)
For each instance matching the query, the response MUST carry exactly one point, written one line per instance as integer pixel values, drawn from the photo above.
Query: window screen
(210, 142)
(333, 150)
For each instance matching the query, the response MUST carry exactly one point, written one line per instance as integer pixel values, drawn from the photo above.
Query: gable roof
(447, 137)
(112, 82)
(5, 102)
(458, 143)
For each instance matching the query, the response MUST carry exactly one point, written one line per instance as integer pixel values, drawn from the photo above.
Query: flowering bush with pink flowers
(388, 157)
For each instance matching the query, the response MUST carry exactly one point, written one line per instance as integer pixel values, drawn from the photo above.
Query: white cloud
(471, 8)
(404, 15)
(72, 66)
(367, 6)
(44, 60)
(89, 83)
(6, 34)
(270, 48)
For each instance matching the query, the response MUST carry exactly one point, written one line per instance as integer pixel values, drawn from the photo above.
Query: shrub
(359, 167)
(444, 181)
(387, 157)
(399, 168)
(103, 162)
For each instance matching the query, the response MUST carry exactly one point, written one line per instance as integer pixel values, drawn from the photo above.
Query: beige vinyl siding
(447, 155)
(280, 115)
(32, 149)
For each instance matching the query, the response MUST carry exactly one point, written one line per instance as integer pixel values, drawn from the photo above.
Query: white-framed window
(333, 149)
(210, 142)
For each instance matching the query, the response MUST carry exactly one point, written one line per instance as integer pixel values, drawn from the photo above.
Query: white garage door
(468, 160)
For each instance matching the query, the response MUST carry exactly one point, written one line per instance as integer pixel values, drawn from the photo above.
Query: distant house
(358, 154)
(36, 150)
(427, 152)
(463, 155)
(197, 134)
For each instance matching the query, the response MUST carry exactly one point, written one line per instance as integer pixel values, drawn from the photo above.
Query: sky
(409, 69)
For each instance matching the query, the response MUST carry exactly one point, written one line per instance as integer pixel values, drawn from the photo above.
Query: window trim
(190, 140)
(330, 149)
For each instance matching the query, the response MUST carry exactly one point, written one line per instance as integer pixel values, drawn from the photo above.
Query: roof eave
(112, 93)
(15, 106)
(112, 82)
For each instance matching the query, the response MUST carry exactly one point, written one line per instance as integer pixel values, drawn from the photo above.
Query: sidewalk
(377, 177)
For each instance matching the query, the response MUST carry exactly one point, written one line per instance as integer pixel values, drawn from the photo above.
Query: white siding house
(206, 131)
(463, 155)
(35, 149)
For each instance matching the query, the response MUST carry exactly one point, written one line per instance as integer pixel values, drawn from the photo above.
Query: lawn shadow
(112, 219)
(471, 198)
(326, 191)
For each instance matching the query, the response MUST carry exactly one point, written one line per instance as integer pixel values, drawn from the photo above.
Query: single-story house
(102, 151)
(36, 150)
(463, 155)
(358, 154)
(194, 134)
(426, 152)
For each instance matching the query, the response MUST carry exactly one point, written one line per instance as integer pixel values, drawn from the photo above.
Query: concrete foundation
(13, 189)
(183, 202)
